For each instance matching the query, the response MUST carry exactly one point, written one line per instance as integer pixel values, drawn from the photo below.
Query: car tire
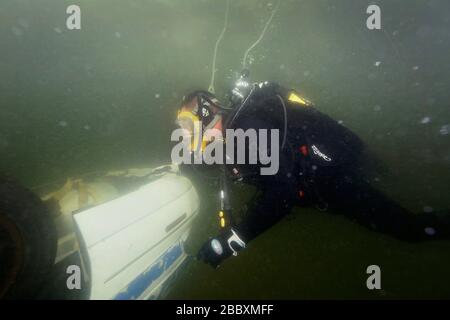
(28, 242)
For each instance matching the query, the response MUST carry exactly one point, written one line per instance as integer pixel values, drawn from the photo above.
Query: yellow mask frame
(191, 122)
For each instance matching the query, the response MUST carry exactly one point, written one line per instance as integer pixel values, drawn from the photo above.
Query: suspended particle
(17, 31)
(445, 130)
(430, 231)
(428, 209)
(425, 120)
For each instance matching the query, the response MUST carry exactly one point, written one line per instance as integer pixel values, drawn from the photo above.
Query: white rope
(244, 61)
(213, 71)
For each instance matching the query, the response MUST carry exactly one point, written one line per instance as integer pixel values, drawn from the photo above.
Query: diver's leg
(371, 208)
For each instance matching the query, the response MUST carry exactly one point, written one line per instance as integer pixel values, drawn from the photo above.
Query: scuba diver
(320, 165)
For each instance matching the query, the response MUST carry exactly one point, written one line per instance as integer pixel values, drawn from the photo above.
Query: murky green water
(105, 97)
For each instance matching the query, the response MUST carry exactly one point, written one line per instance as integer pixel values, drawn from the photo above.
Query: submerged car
(124, 230)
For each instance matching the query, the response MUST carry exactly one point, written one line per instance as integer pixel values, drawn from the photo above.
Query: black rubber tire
(28, 242)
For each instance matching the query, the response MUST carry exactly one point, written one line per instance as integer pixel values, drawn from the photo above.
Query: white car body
(131, 246)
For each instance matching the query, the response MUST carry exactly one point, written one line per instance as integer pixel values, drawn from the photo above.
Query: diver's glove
(217, 249)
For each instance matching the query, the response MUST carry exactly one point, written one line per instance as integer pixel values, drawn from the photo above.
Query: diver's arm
(264, 212)
(269, 208)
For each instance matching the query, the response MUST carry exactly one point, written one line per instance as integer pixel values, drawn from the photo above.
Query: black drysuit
(320, 165)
